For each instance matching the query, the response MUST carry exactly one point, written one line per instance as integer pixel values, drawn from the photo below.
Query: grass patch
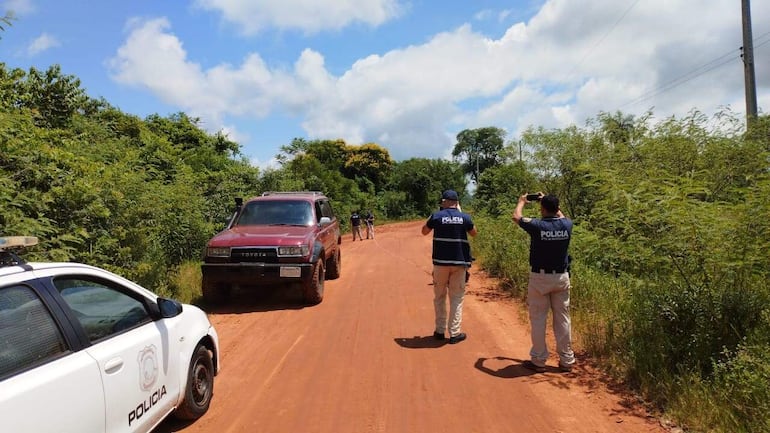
(185, 282)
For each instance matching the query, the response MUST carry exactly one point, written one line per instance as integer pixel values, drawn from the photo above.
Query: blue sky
(407, 75)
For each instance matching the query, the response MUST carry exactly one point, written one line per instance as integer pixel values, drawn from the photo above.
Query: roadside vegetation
(670, 246)
(670, 255)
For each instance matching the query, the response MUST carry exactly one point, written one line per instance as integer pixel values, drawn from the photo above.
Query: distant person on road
(369, 218)
(549, 283)
(355, 225)
(451, 259)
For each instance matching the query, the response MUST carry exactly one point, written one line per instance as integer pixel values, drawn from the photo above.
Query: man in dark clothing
(549, 283)
(369, 219)
(355, 225)
(451, 259)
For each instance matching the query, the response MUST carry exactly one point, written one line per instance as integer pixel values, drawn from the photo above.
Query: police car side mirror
(169, 308)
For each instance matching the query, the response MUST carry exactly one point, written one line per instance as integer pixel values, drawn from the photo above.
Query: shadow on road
(507, 370)
(171, 425)
(256, 300)
(417, 342)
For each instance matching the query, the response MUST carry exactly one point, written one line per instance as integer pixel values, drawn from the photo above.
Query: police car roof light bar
(8, 258)
(17, 242)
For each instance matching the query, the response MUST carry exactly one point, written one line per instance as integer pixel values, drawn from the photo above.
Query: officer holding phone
(549, 283)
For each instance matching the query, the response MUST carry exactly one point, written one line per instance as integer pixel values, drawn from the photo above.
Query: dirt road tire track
(364, 360)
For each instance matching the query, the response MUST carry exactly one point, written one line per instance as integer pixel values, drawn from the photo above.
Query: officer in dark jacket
(369, 220)
(549, 282)
(451, 259)
(355, 225)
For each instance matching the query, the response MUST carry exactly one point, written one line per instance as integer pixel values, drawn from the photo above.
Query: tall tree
(479, 149)
(499, 187)
(371, 162)
(421, 181)
(332, 154)
(53, 96)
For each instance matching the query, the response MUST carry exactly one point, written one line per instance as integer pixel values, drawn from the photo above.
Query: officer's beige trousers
(449, 280)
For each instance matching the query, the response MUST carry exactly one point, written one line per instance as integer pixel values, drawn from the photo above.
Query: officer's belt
(548, 271)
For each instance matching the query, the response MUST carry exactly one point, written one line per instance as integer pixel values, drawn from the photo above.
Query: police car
(85, 350)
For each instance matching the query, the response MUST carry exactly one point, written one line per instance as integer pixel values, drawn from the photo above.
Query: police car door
(141, 380)
(46, 384)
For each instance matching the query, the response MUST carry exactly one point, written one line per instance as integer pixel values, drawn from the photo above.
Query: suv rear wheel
(313, 289)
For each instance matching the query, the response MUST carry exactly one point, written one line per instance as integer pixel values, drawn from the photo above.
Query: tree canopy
(479, 149)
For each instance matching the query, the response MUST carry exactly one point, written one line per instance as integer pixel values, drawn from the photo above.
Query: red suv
(278, 238)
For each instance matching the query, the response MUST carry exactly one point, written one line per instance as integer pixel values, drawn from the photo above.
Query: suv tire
(334, 265)
(313, 289)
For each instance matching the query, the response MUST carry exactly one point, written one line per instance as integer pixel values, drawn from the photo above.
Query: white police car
(83, 350)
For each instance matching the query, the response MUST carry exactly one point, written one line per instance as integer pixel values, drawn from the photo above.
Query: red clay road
(364, 360)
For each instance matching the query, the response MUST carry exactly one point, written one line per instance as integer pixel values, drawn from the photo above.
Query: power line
(689, 76)
(763, 43)
(710, 66)
(759, 44)
(600, 40)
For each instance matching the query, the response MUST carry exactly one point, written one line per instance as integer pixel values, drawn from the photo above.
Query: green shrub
(502, 249)
(185, 282)
(741, 385)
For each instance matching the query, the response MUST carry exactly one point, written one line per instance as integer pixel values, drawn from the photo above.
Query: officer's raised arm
(519, 211)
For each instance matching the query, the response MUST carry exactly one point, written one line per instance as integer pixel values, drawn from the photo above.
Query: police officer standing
(451, 259)
(549, 283)
(355, 225)
(369, 219)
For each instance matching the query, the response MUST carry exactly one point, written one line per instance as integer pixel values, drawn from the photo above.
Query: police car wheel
(200, 386)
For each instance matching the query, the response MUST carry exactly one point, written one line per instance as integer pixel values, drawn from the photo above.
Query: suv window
(326, 209)
(28, 332)
(290, 212)
(101, 309)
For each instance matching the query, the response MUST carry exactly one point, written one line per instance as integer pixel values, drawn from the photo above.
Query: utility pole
(748, 64)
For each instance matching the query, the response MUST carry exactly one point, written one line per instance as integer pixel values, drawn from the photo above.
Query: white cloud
(42, 43)
(566, 64)
(484, 14)
(19, 7)
(488, 14)
(502, 15)
(271, 163)
(310, 16)
(149, 50)
(232, 133)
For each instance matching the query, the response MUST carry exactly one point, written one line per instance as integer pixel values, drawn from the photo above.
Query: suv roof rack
(266, 193)
(9, 258)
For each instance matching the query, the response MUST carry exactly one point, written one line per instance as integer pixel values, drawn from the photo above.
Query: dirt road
(364, 360)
